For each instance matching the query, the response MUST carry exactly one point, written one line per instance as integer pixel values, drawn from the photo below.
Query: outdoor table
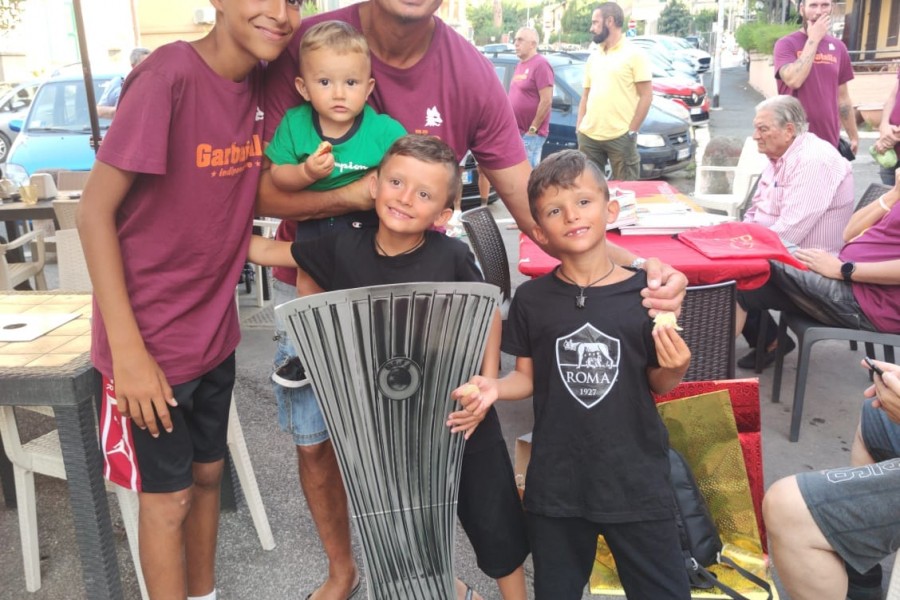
(55, 370)
(749, 273)
(10, 212)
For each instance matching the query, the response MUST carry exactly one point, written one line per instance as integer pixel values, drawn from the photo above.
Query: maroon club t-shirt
(452, 93)
(195, 141)
(819, 93)
(529, 78)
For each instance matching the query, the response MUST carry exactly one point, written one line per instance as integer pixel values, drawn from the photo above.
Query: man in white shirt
(805, 194)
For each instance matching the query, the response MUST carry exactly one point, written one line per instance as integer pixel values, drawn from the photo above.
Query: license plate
(684, 153)
(466, 177)
(696, 110)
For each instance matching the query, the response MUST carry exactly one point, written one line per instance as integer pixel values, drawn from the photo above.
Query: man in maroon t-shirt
(433, 81)
(814, 67)
(531, 93)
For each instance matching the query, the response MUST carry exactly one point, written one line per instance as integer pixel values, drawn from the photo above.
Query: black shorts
(136, 460)
(490, 511)
(647, 554)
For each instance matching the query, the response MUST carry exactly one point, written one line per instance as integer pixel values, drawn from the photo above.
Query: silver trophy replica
(383, 361)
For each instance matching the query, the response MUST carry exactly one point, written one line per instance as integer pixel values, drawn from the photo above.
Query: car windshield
(683, 44)
(573, 75)
(61, 107)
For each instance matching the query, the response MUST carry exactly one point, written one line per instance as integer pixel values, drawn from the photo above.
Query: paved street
(296, 566)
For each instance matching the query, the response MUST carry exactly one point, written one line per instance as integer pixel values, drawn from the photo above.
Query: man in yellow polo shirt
(616, 97)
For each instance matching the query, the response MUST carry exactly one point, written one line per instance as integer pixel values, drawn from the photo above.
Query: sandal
(354, 591)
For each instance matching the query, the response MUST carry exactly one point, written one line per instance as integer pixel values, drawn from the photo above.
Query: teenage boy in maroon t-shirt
(165, 222)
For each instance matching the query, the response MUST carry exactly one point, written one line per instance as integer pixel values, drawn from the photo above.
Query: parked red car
(687, 93)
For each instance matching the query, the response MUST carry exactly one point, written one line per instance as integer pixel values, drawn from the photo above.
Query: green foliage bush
(761, 37)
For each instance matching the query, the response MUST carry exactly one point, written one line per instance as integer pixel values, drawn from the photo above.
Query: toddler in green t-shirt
(334, 138)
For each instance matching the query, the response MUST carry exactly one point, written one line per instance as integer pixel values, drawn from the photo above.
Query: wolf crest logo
(588, 362)
(433, 117)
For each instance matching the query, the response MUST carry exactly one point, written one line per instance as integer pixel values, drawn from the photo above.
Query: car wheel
(4, 147)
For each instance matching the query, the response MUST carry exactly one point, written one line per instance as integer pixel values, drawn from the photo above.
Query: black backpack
(700, 542)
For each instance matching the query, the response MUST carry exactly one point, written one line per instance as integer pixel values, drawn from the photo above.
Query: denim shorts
(298, 411)
(856, 508)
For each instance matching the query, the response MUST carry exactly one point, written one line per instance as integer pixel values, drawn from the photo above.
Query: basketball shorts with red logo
(136, 460)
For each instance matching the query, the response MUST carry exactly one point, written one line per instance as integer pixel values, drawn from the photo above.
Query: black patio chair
(708, 318)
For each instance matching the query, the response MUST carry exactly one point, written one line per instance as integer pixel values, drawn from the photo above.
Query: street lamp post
(717, 69)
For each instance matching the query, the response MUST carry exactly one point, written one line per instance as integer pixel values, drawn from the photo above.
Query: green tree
(481, 17)
(675, 19)
(576, 21)
(703, 20)
(10, 13)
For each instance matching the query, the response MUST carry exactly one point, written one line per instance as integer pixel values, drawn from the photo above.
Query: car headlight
(649, 140)
(15, 173)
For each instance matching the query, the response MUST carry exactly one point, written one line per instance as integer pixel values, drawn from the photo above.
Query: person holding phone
(829, 530)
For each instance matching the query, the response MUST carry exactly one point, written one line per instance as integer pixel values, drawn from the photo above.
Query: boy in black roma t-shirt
(586, 349)
(417, 182)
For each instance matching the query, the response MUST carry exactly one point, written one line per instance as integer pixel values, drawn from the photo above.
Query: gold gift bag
(703, 430)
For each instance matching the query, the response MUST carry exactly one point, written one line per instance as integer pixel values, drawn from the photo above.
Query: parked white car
(14, 104)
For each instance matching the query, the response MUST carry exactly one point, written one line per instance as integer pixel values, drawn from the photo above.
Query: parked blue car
(56, 132)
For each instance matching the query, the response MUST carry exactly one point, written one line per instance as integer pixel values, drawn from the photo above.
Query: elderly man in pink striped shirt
(805, 194)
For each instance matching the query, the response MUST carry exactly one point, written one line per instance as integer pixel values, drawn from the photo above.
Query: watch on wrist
(532, 129)
(638, 263)
(847, 270)
(632, 134)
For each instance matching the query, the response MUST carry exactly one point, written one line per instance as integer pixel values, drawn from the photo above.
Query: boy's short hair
(430, 149)
(337, 36)
(560, 170)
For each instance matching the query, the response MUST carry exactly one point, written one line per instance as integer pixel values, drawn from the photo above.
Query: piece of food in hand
(324, 148)
(468, 390)
(666, 318)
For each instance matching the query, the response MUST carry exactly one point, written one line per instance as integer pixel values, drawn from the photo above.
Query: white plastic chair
(72, 268)
(71, 181)
(43, 455)
(65, 210)
(741, 178)
(12, 274)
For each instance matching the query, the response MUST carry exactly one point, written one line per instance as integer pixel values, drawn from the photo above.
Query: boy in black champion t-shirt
(418, 179)
(586, 350)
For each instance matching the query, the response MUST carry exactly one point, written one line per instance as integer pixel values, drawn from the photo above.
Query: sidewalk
(297, 565)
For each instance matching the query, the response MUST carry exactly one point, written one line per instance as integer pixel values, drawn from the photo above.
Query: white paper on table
(672, 223)
(24, 327)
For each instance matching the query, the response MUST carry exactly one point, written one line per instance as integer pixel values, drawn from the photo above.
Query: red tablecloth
(750, 273)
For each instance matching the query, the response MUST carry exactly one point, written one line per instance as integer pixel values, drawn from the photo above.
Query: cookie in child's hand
(324, 148)
(666, 318)
(468, 390)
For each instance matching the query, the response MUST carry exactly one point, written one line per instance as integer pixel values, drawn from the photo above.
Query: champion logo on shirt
(260, 115)
(433, 117)
(588, 362)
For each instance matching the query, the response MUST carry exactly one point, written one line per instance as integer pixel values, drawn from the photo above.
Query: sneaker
(749, 361)
(290, 374)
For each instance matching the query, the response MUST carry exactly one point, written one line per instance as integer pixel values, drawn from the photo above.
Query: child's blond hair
(336, 36)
